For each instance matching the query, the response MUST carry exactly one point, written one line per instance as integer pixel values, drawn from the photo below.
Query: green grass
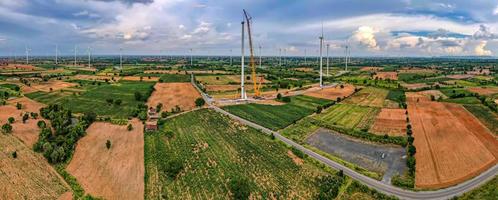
(464, 100)
(368, 81)
(213, 149)
(396, 95)
(488, 191)
(349, 116)
(10, 86)
(485, 115)
(455, 92)
(369, 96)
(93, 98)
(277, 116)
(170, 78)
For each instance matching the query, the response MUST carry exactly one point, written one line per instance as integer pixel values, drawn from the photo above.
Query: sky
(212, 27)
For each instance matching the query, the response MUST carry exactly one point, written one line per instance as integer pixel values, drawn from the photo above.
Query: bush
(14, 154)
(109, 101)
(159, 107)
(239, 187)
(169, 134)
(11, 120)
(172, 167)
(138, 96)
(411, 150)
(272, 136)
(279, 96)
(164, 114)
(34, 115)
(25, 117)
(7, 128)
(319, 109)
(410, 163)
(41, 124)
(118, 102)
(108, 144)
(286, 99)
(129, 127)
(18, 106)
(89, 117)
(329, 186)
(199, 102)
(298, 152)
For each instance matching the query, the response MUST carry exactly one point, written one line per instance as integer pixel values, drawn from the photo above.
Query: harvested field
(173, 94)
(220, 88)
(183, 72)
(369, 96)
(371, 68)
(94, 77)
(386, 75)
(417, 71)
(460, 76)
(303, 69)
(28, 132)
(28, 176)
(332, 92)
(414, 86)
(16, 67)
(436, 93)
(391, 122)
(114, 173)
(138, 78)
(452, 145)
(484, 90)
(52, 84)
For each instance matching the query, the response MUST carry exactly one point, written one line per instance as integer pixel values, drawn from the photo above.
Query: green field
(94, 98)
(488, 191)
(464, 100)
(485, 115)
(213, 150)
(349, 116)
(369, 96)
(170, 78)
(277, 116)
(368, 81)
(456, 92)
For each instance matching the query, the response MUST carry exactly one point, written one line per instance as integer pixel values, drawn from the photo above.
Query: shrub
(159, 107)
(298, 152)
(109, 101)
(108, 144)
(18, 106)
(118, 102)
(138, 96)
(199, 102)
(286, 99)
(172, 167)
(164, 114)
(7, 128)
(239, 187)
(25, 117)
(319, 109)
(411, 150)
(329, 186)
(41, 124)
(169, 134)
(272, 136)
(89, 117)
(14, 154)
(34, 115)
(279, 96)
(129, 127)
(11, 120)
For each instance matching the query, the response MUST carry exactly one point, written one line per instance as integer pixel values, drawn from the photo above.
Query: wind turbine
(27, 54)
(56, 54)
(191, 58)
(305, 63)
(321, 61)
(242, 55)
(347, 56)
(89, 51)
(328, 46)
(121, 58)
(75, 50)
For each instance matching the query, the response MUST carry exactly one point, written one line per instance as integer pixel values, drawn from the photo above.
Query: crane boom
(251, 50)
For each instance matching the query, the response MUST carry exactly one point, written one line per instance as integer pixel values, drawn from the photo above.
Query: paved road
(385, 188)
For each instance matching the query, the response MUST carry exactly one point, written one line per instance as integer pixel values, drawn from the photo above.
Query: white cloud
(495, 12)
(365, 35)
(85, 13)
(480, 49)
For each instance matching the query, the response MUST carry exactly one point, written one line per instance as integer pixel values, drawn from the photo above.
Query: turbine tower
(121, 58)
(75, 50)
(27, 55)
(280, 56)
(321, 59)
(191, 58)
(242, 78)
(259, 56)
(89, 51)
(328, 46)
(347, 56)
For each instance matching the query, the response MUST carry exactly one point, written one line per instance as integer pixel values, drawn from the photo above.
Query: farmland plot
(116, 172)
(369, 96)
(174, 94)
(213, 150)
(349, 116)
(391, 122)
(452, 145)
(277, 116)
(28, 176)
(26, 131)
(332, 93)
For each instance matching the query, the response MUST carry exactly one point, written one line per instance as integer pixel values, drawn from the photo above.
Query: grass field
(349, 116)
(94, 98)
(369, 96)
(367, 81)
(172, 78)
(277, 116)
(464, 100)
(485, 115)
(213, 149)
(488, 191)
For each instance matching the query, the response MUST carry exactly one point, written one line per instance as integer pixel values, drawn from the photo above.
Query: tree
(7, 128)
(239, 187)
(138, 96)
(108, 144)
(411, 150)
(25, 117)
(199, 102)
(159, 107)
(110, 100)
(34, 115)
(130, 127)
(41, 124)
(172, 167)
(329, 186)
(118, 102)
(279, 96)
(164, 114)
(89, 117)
(11, 120)
(319, 109)
(14, 154)
(18, 106)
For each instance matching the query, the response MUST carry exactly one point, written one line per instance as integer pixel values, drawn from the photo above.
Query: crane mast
(251, 50)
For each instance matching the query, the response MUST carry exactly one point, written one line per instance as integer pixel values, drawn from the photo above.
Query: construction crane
(257, 92)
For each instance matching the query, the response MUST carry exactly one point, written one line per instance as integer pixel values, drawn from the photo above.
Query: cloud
(495, 12)
(480, 49)
(484, 33)
(85, 13)
(365, 36)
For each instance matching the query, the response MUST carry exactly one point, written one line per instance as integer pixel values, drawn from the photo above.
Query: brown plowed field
(28, 176)
(371, 68)
(332, 92)
(391, 122)
(460, 76)
(452, 145)
(20, 67)
(28, 132)
(414, 86)
(55, 85)
(115, 173)
(172, 94)
(386, 75)
(183, 72)
(484, 90)
(137, 78)
(94, 77)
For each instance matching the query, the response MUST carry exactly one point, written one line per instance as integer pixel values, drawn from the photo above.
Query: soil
(391, 122)
(220, 88)
(137, 78)
(414, 86)
(332, 92)
(29, 176)
(371, 68)
(452, 145)
(460, 76)
(386, 75)
(54, 84)
(28, 132)
(173, 94)
(484, 90)
(114, 173)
